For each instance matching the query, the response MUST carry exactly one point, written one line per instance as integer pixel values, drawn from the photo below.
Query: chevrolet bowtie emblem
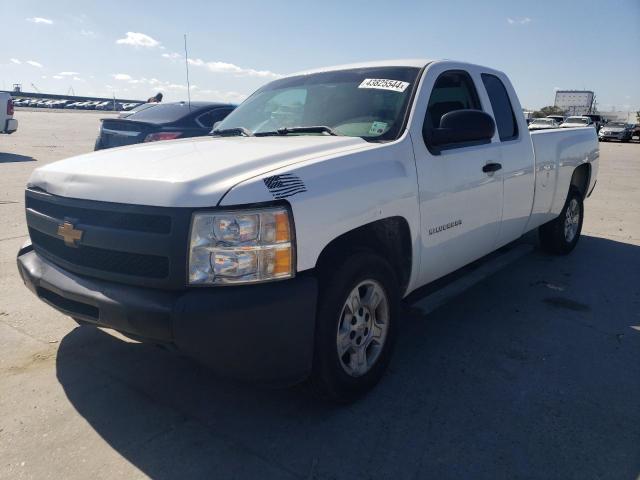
(70, 234)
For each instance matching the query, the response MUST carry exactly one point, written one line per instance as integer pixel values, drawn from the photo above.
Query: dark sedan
(163, 121)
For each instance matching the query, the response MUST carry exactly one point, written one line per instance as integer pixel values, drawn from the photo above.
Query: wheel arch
(389, 237)
(581, 178)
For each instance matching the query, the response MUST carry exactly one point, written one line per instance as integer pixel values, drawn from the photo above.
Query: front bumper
(261, 333)
(11, 125)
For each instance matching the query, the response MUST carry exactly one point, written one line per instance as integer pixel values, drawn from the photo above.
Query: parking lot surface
(532, 373)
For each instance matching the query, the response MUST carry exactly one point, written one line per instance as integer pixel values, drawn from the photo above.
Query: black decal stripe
(285, 185)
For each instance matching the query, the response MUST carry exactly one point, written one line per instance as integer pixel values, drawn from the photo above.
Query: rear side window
(502, 110)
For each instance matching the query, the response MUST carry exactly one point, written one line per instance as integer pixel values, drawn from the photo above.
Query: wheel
(561, 235)
(355, 327)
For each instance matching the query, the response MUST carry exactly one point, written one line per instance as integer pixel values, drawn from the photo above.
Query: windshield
(578, 120)
(544, 121)
(616, 124)
(370, 103)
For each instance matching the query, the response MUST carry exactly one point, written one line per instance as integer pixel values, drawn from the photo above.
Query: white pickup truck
(8, 124)
(280, 248)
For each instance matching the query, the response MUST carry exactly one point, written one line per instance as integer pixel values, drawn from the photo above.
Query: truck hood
(181, 173)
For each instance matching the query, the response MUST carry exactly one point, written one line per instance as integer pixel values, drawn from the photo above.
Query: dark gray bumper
(260, 332)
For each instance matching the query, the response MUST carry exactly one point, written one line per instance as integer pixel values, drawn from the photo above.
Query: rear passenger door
(460, 204)
(518, 162)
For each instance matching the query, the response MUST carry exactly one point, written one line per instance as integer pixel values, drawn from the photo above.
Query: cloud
(58, 77)
(68, 74)
(138, 39)
(46, 21)
(518, 21)
(16, 61)
(34, 64)
(172, 55)
(88, 33)
(121, 76)
(78, 79)
(223, 67)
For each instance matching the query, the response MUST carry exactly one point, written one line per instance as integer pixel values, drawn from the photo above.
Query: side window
(453, 90)
(502, 109)
(206, 120)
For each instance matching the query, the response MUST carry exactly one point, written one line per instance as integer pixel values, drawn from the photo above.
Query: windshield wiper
(232, 132)
(288, 130)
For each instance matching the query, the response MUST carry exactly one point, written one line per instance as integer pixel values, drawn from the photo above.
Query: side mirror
(462, 126)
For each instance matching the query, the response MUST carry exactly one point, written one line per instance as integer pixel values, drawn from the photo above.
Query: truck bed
(557, 153)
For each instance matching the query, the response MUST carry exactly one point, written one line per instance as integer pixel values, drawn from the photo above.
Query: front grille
(103, 218)
(132, 244)
(124, 263)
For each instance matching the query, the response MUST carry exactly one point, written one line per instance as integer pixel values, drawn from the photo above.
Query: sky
(134, 49)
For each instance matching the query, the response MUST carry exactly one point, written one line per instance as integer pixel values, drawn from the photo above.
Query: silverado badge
(69, 234)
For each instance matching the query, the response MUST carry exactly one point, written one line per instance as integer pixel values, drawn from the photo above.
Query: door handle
(491, 167)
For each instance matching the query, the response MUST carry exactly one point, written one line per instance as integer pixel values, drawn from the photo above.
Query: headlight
(243, 246)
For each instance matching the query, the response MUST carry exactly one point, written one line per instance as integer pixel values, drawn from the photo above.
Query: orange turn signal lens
(283, 231)
(282, 262)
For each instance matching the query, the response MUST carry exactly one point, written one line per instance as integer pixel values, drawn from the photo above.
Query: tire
(560, 236)
(368, 334)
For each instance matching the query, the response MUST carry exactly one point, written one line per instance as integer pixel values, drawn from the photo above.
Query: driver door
(460, 202)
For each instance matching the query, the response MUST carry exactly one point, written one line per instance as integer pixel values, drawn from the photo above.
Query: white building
(575, 102)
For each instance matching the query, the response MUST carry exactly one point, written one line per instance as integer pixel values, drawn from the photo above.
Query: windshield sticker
(384, 84)
(378, 128)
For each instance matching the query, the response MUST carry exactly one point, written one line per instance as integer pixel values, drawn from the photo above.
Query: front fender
(337, 194)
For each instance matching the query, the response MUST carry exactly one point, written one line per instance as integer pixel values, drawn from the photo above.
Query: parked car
(130, 105)
(77, 105)
(577, 121)
(165, 121)
(108, 105)
(543, 124)
(636, 131)
(557, 118)
(616, 131)
(281, 248)
(8, 124)
(597, 120)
